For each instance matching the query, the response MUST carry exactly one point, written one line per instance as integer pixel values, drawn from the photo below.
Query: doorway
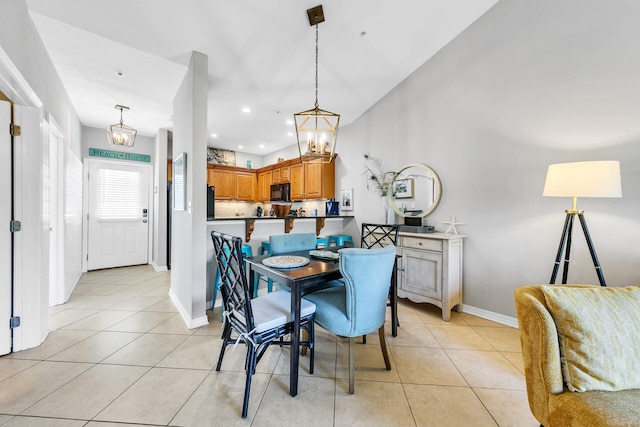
(119, 214)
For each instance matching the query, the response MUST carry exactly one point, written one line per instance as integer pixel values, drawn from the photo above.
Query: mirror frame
(437, 187)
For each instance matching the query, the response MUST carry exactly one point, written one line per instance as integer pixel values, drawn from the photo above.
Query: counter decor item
(333, 208)
(281, 210)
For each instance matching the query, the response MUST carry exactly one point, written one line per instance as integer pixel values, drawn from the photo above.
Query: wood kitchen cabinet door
(224, 183)
(245, 186)
(297, 181)
(313, 180)
(281, 174)
(264, 186)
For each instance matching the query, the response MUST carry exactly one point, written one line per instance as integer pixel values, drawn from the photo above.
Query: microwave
(281, 192)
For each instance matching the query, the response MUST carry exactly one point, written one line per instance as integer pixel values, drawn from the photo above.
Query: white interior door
(5, 234)
(118, 214)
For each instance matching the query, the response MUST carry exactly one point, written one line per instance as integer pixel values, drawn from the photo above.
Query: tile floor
(119, 354)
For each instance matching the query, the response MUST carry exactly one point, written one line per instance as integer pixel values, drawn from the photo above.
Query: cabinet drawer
(419, 243)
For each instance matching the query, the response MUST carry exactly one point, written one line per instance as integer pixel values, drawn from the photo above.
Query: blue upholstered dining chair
(358, 307)
(290, 242)
(256, 322)
(282, 243)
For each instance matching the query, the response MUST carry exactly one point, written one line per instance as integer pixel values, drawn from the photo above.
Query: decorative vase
(391, 215)
(388, 215)
(384, 216)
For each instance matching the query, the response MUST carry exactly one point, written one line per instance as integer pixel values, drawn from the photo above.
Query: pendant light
(316, 129)
(120, 135)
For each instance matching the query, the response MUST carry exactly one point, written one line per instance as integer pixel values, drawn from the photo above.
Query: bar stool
(321, 242)
(341, 240)
(265, 247)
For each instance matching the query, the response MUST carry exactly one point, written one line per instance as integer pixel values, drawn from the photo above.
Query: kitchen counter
(245, 217)
(288, 221)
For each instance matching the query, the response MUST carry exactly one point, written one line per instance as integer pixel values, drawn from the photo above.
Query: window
(118, 194)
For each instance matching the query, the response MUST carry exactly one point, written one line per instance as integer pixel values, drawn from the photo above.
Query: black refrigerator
(211, 207)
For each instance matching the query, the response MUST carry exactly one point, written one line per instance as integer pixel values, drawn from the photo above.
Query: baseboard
(158, 268)
(191, 323)
(490, 315)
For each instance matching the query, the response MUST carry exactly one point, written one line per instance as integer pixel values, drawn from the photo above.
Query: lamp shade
(584, 179)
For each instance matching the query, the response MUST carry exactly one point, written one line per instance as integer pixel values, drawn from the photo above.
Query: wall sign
(119, 155)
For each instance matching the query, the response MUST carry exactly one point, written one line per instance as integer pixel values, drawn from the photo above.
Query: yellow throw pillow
(599, 333)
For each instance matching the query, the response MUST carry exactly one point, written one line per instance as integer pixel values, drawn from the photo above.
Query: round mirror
(416, 190)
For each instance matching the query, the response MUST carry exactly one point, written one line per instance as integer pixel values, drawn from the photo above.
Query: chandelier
(120, 135)
(316, 129)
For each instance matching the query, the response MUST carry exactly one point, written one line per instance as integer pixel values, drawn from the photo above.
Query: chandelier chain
(316, 65)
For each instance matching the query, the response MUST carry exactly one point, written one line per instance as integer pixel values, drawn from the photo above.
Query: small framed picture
(403, 188)
(346, 199)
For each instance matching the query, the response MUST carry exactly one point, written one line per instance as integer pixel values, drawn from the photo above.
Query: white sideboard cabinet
(430, 269)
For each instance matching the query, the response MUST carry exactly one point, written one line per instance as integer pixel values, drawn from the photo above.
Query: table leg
(295, 340)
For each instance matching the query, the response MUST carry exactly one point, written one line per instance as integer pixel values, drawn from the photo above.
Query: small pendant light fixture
(120, 135)
(316, 129)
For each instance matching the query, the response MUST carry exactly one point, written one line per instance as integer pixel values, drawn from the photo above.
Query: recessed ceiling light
(246, 109)
(289, 122)
(261, 146)
(240, 146)
(214, 135)
(289, 133)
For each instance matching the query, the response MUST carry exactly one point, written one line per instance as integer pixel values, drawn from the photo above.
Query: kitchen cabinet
(312, 181)
(264, 186)
(281, 174)
(245, 186)
(431, 269)
(232, 184)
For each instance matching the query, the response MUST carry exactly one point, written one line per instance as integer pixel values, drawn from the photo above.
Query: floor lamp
(580, 179)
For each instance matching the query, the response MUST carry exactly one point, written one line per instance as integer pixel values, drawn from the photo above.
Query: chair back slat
(378, 235)
(234, 288)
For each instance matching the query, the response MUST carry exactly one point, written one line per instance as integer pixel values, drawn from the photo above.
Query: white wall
(21, 43)
(97, 138)
(188, 235)
(527, 85)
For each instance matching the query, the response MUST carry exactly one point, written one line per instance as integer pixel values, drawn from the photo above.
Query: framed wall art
(403, 188)
(346, 199)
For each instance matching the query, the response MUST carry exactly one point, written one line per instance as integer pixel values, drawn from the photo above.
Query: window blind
(118, 194)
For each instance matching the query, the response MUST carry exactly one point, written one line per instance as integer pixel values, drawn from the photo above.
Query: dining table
(317, 271)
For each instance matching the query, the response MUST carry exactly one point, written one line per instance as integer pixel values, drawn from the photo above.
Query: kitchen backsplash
(239, 209)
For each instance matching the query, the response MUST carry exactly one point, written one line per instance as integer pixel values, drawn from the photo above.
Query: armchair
(550, 399)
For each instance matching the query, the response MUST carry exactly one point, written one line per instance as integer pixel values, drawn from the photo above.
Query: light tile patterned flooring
(119, 354)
